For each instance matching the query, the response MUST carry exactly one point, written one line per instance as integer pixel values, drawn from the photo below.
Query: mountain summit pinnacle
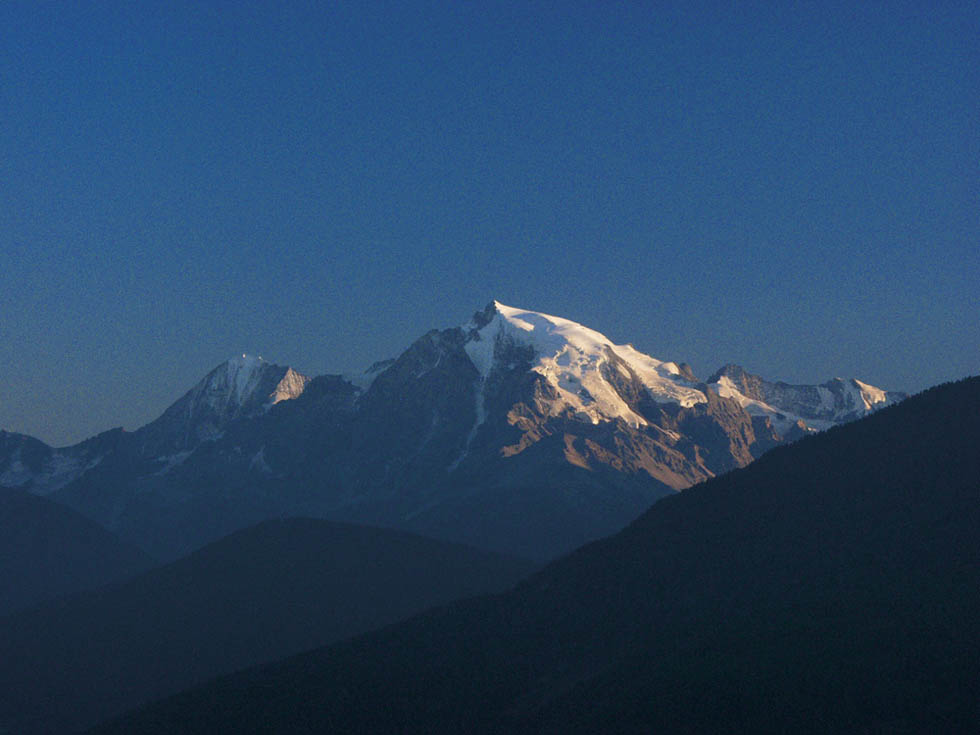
(484, 317)
(242, 387)
(582, 366)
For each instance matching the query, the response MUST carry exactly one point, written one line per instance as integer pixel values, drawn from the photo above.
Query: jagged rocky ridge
(518, 431)
(801, 407)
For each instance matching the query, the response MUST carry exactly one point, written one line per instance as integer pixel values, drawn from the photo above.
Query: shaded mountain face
(518, 431)
(831, 586)
(239, 389)
(30, 464)
(48, 550)
(243, 387)
(274, 589)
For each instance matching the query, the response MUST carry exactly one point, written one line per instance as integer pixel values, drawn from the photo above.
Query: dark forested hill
(48, 550)
(260, 594)
(831, 586)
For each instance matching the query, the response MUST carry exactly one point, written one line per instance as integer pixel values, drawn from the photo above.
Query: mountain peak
(817, 406)
(240, 374)
(246, 359)
(729, 370)
(580, 363)
(241, 387)
(249, 384)
(235, 380)
(486, 315)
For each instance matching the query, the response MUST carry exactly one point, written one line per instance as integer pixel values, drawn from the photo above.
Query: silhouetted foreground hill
(257, 595)
(48, 550)
(831, 586)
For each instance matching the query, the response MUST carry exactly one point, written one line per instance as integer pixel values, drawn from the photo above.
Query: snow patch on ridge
(869, 395)
(365, 379)
(58, 470)
(259, 462)
(481, 417)
(172, 460)
(241, 377)
(782, 421)
(16, 474)
(662, 379)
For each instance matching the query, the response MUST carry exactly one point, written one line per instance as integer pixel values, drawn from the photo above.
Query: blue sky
(794, 187)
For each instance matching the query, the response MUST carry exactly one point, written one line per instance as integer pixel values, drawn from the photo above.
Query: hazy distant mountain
(47, 550)
(243, 387)
(518, 431)
(30, 464)
(832, 586)
(259, 594)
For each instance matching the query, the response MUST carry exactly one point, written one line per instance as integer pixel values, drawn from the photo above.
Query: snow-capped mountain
(806, 407)
(517, 431)
(576, 361)
(242, 387)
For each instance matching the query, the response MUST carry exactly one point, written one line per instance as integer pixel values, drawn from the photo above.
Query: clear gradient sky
(792, 186)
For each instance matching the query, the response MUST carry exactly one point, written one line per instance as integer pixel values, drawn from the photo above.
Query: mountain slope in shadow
(831, 586)
(262, 593)
(47, 550)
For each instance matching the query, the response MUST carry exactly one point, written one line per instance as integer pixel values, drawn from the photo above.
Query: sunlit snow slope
(575, 360)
